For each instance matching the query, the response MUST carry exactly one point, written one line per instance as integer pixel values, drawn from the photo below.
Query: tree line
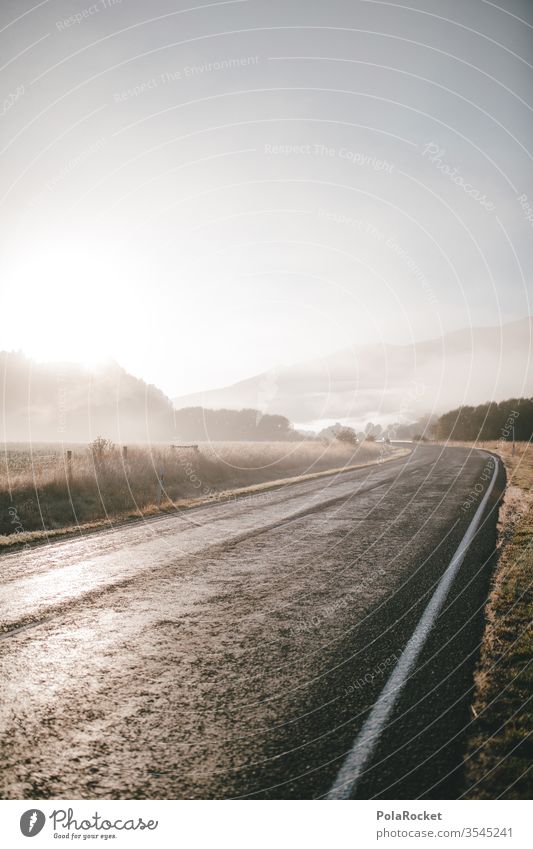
(488, 421)
(201, 424)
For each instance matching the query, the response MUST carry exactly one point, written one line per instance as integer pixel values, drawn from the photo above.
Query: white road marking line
(368, 738)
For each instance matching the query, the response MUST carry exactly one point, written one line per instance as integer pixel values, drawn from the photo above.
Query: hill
(68, 403)
(389, 382)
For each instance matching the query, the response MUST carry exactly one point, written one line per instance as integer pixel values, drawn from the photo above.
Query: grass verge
(499, 754)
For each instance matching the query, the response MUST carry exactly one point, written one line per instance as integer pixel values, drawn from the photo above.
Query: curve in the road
(366, 742)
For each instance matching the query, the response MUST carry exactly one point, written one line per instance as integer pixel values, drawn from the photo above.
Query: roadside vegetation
(500, 749)
(43, 489)
(488, 421)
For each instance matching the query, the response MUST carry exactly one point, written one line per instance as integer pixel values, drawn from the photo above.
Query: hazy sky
(205, 190)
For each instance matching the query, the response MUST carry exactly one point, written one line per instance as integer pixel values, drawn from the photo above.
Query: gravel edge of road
(498, 755)
(16, 542)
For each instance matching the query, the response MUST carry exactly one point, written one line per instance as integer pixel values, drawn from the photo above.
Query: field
(42, 492)
(498, 761)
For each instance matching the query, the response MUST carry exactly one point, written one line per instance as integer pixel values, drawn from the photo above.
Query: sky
(204, 191)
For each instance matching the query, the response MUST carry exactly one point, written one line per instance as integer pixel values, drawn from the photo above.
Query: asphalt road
(235, 650)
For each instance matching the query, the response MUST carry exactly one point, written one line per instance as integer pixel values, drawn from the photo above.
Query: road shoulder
(497, 754)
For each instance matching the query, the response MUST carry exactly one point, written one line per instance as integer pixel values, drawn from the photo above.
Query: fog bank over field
(388, 383)
(381, 383)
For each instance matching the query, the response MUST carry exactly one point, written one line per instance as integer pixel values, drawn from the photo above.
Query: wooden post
(125, 452)
(69, 467)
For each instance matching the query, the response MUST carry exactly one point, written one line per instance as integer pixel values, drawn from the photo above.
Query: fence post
(69, 467)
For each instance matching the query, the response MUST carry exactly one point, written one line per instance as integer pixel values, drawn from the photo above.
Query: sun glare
(71, 300)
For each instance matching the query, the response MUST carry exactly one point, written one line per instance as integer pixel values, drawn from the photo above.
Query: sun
(64, 304)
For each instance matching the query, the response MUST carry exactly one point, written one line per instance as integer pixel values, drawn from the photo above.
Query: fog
(230, 194)
(210, 193)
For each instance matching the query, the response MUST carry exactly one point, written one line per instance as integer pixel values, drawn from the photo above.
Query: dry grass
(499, 753)
(40, 497)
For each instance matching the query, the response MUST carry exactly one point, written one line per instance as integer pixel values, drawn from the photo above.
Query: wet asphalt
(234, 650)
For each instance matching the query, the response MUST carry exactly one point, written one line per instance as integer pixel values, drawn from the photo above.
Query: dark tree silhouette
(200, 424)
(489, 421)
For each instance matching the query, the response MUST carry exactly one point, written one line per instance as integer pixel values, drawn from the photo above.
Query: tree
(347, 434)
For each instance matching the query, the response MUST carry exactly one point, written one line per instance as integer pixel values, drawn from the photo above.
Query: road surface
(235, 650)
